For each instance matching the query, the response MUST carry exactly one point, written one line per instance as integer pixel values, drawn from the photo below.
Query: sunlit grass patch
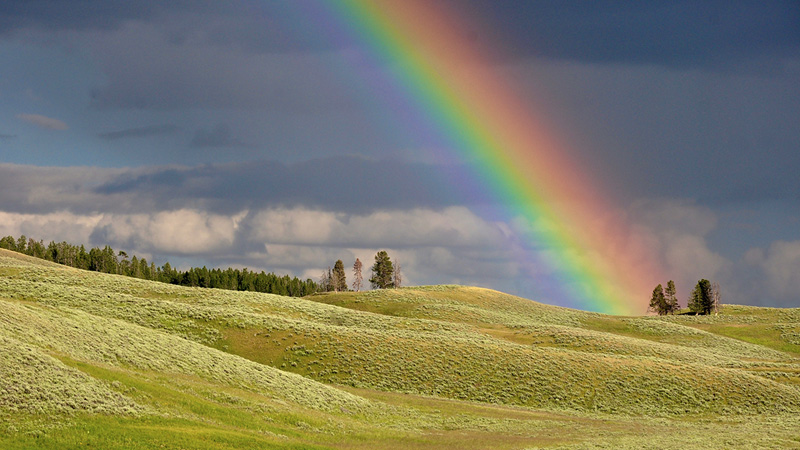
(34, 383)
(780, 337)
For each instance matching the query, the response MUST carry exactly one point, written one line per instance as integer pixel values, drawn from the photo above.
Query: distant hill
(114, 362)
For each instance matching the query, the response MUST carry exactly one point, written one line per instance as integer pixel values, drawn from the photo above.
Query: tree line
(385, 275)
(704, 299)
(106, 260)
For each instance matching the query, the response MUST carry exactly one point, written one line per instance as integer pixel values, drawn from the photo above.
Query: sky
(248, 134)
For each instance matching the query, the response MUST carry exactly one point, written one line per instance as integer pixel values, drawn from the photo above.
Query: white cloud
(453, 226)
(178, 232)
(56, 226)
(181, 231)
(434, 246)
(313, 259)
(451, 245)
(293, 226)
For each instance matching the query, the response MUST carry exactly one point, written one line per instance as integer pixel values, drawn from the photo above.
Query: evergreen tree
(339, 280)
(83, 259)
(358, 280)
(35, 249)
(701, 301)
(658, 303)
(170, 275)
(21, 244)
(123, 268)
(8, 243)
(671, 298)
(382, 271)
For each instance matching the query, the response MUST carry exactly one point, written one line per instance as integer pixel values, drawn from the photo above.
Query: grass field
(90, 360)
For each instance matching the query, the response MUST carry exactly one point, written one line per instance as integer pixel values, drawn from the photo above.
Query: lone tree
(357, 279)
(382, 271)
(658, 303)
(671, 298)
(701, 301)
(338, 279)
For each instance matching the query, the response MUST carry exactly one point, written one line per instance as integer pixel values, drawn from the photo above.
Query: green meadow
(91, 360)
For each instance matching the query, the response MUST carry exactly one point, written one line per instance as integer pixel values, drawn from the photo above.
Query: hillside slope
(463, 343)
(106, 352)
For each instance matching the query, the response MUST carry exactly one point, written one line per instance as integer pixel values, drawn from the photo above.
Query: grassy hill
(89, 359)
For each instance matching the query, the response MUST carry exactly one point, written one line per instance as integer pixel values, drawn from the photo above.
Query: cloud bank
(185, 214)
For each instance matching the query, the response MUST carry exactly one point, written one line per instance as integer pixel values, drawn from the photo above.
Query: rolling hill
(90, 359)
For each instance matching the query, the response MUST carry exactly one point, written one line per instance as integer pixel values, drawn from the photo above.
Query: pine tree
(701, 301)
(21, 242)
(8, 243)
(658, 302)
(338, 277)
(671, 298)
(358, 280)
(382, 271)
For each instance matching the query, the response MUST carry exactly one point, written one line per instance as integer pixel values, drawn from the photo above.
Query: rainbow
(572, 228)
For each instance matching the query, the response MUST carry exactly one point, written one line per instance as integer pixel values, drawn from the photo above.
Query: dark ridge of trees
(106, 260)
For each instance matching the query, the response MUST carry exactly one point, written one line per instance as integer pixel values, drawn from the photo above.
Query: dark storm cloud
(168, 178)
(679, 33)
(171, 75)
(346, 184)
(86, 14)
(55, 14)
(36, 190)
(349, 184)
(648, 131)
(217, 137)
(283, 55)
(244, 24)
(152, 130)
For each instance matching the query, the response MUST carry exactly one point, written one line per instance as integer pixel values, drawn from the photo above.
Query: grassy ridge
(126, 361)
(759, 341)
